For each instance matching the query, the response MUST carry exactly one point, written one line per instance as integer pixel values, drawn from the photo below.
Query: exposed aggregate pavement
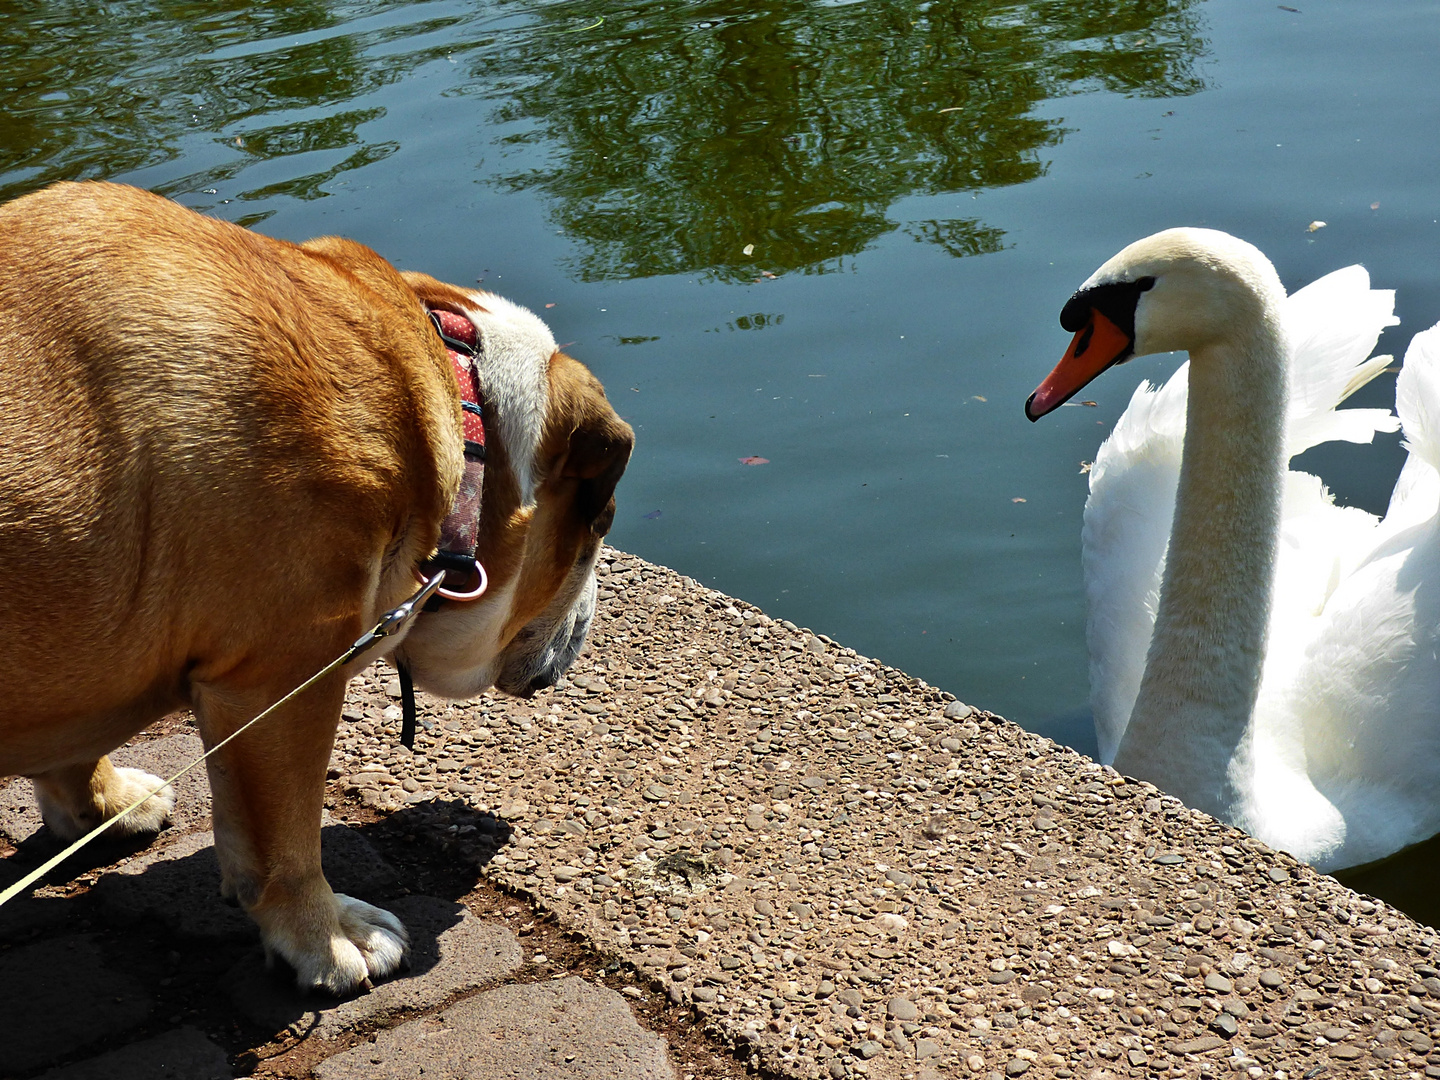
(827, 867)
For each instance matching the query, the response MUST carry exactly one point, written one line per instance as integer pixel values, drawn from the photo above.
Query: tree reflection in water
(666, 136)
(684, 132)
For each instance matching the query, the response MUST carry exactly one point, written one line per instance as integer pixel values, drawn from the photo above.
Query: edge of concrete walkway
(845, 871)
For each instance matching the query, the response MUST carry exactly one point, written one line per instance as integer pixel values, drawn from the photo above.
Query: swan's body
(1268, 656)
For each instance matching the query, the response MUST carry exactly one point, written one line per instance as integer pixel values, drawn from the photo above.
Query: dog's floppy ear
(598, 457)
(599, 442)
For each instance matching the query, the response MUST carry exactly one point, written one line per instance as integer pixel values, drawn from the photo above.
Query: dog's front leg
(269, 787)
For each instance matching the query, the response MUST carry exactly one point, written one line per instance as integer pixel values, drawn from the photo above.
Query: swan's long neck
(1189, 732)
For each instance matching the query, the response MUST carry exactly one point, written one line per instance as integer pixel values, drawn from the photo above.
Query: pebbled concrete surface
(774, 854)
(845, 871)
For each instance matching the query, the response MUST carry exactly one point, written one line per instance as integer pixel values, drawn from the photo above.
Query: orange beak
(1097, 345)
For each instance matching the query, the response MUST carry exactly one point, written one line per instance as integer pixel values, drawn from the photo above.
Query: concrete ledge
(847, 872)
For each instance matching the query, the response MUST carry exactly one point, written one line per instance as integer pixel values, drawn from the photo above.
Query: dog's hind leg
(75, 798)
(269, 788)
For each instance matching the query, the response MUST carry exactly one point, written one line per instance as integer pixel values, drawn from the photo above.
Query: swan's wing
(1417, 399)
(1127, 528)
(1367, 699)
(1331, 325)
(1320, 545)
(1417, 396)
(1366, 693)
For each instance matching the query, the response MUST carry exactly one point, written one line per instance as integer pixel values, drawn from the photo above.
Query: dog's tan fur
(222, 456)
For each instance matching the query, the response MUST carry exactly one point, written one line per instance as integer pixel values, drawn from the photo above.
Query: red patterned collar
(460, 532)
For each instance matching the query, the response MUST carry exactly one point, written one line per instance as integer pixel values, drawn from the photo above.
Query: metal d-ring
(481, 584)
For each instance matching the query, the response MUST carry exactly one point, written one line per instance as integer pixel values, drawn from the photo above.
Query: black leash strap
(407, 707)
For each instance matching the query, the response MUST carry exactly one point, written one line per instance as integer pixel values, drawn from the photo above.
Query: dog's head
(555, 450)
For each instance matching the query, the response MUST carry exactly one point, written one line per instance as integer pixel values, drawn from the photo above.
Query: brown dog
(222, 456)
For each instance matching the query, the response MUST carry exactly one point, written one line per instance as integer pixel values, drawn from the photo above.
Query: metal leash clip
(397, 618)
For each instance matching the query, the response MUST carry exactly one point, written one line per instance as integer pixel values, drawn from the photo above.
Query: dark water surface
(835, 236)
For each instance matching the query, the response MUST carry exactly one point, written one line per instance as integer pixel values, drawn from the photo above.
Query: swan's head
(1179, 289)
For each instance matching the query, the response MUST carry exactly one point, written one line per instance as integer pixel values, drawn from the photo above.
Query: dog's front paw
(70, 816)
(375, 933)
(150, 816)
(368, 943)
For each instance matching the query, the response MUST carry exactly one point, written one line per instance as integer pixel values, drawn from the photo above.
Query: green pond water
(835, 236)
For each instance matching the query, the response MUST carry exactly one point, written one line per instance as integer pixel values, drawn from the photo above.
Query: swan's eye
(1145, 284)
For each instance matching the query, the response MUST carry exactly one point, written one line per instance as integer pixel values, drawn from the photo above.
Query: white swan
(1259, 652)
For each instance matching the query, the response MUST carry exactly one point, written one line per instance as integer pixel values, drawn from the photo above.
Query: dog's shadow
(155, 923)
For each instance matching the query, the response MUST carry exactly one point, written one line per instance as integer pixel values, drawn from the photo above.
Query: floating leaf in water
(1085, 467)
(1315, 226)
(1374, 206)
(581, 29)
(652, 515)
(977, 397)
(549, 305)
(748, 249)
(1017, 499)
(754, 461)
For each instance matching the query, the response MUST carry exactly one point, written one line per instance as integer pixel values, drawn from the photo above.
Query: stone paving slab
(560, 1029)
(182, 1054)
(25, 916)
(58, 996)
(18, 815)
(178, 883)
(451, 951)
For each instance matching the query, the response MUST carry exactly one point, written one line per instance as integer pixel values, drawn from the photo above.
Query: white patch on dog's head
(515, 351)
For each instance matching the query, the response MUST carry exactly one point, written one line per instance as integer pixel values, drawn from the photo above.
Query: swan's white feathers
(1369, 681)
(1348, 699)
(1332, 325)
(1417, 396)
(1136, 469)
